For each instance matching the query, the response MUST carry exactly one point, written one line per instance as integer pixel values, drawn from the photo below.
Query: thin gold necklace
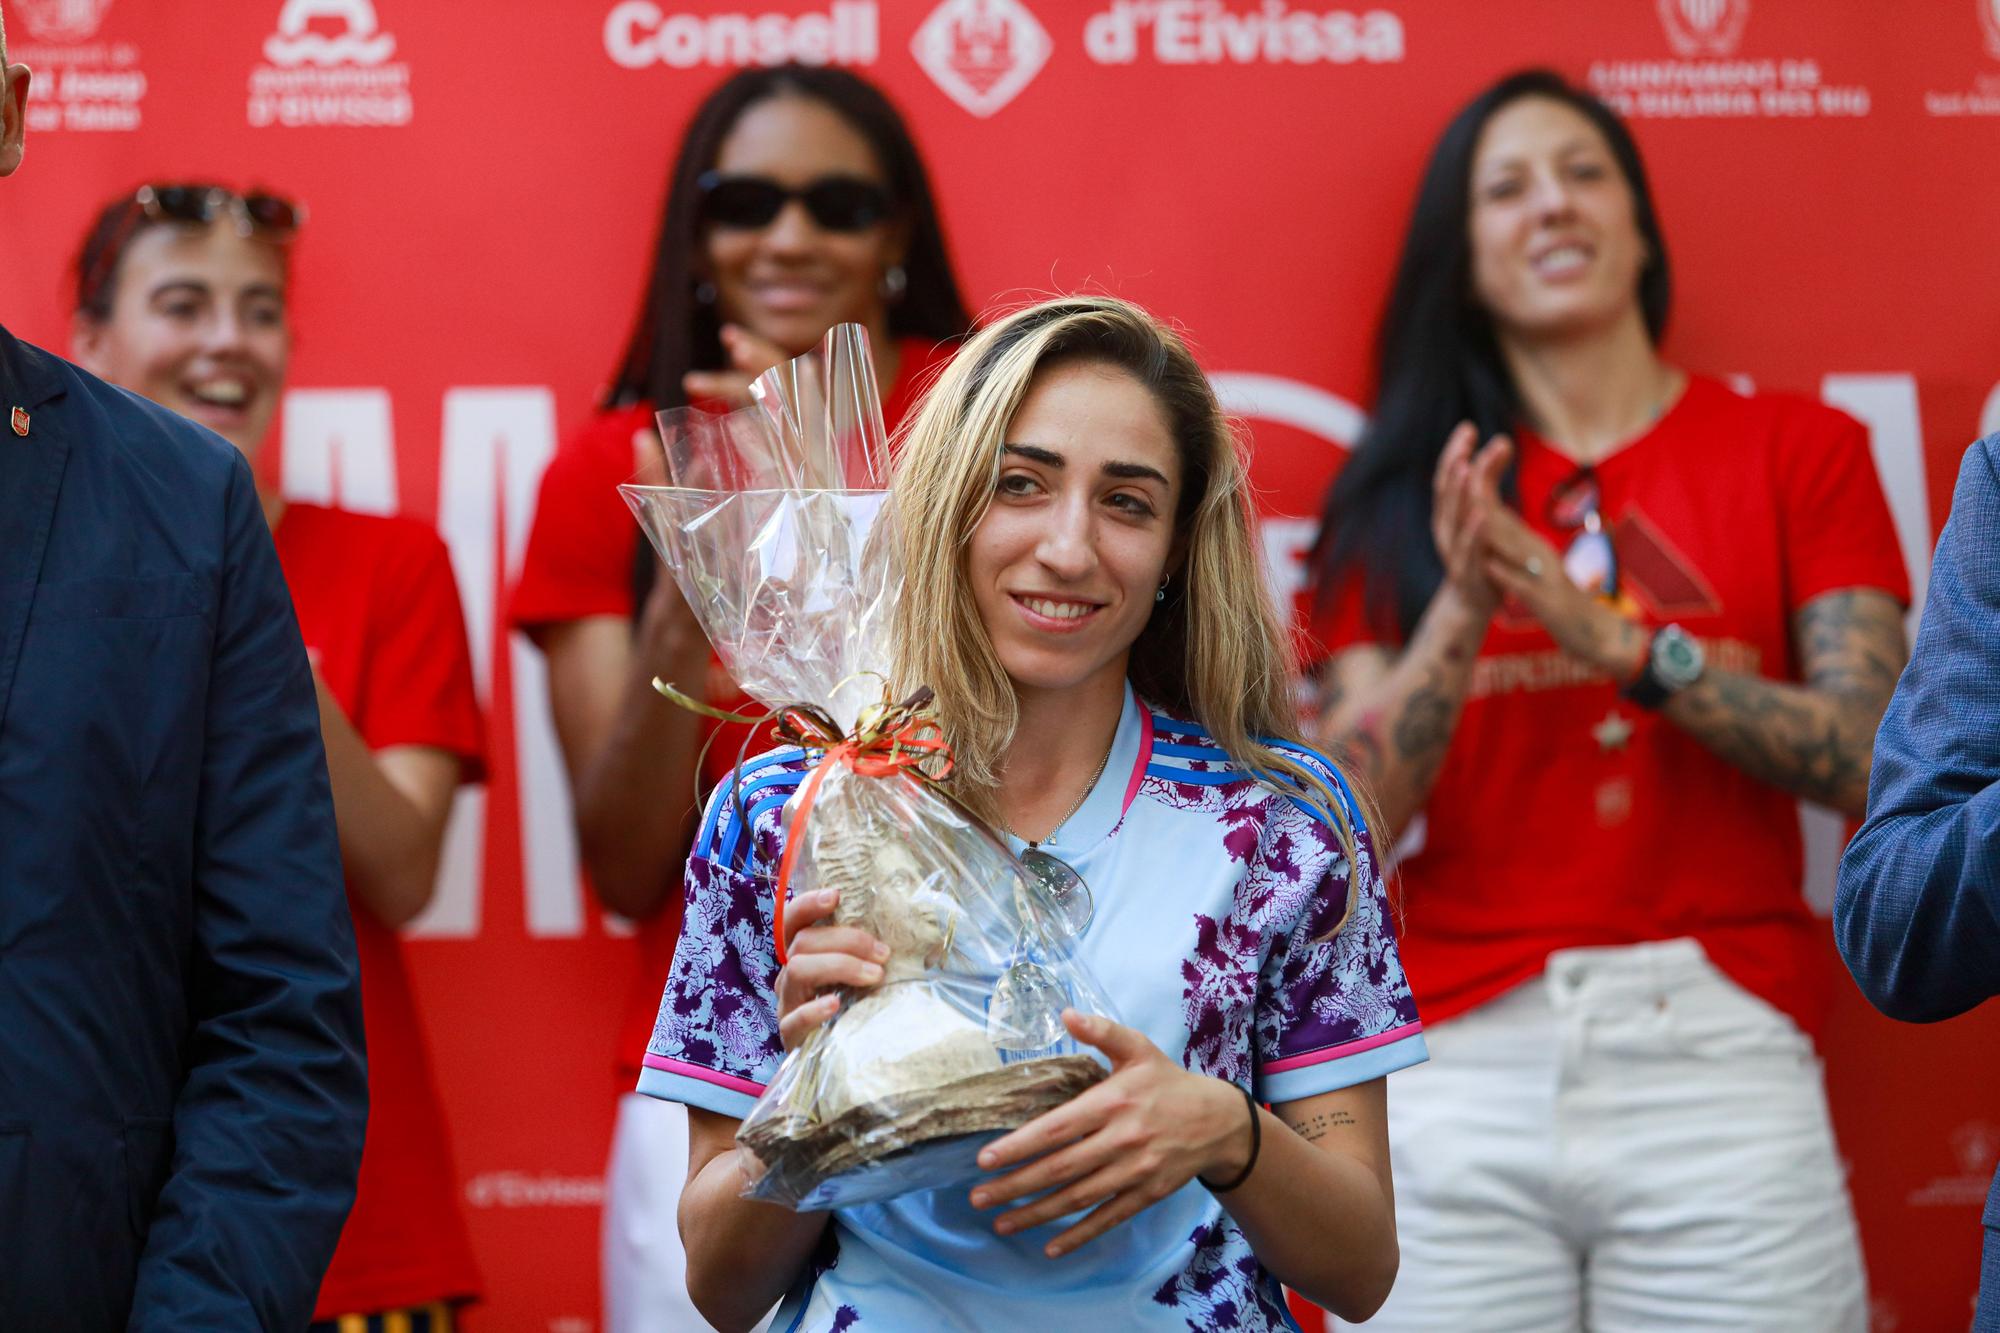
(1088, 788)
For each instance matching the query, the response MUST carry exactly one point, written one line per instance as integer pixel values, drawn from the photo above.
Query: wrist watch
(1674, 661)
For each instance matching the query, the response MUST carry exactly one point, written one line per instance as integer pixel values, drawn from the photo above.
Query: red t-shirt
(1564, 816)
(578, 563)
(380, 614)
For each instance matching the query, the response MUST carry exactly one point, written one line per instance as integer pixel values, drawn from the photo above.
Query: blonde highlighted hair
(1213, 652)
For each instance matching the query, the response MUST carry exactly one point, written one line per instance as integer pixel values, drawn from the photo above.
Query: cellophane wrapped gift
(774, 525)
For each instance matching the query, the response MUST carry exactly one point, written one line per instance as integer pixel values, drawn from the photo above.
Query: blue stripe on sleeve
(749, 844)
(705, 842)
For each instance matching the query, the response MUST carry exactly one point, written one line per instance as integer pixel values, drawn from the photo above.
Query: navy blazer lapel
(31, 473)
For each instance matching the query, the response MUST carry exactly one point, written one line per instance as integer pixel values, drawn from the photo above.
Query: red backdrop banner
(484, 184)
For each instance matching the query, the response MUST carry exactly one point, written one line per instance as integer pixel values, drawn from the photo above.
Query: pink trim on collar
(1145, 757)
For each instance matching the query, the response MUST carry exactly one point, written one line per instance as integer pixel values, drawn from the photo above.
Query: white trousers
(1630, 1142)
(645, 1268)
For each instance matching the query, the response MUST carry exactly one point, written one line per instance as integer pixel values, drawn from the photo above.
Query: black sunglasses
(278, 218)
(836, 203)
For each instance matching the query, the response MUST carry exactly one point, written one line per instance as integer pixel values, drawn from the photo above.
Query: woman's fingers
(717, 386)
(748, 353)
(1488, 467)
(794, 1027)
(1082, 1114)
(1121, 1208)
(1079, 1158)
(806, 975)
(1093, 1188)
(838, 939)
(1457, 447)
(808, 909)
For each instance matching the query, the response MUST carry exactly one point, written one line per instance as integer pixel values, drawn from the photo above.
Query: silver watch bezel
(1676, 658)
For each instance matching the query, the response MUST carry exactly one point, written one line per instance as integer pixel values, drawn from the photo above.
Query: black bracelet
(1256, 1143)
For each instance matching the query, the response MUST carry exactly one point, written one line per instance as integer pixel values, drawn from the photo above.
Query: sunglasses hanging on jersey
(835, 203)
(1591, 558)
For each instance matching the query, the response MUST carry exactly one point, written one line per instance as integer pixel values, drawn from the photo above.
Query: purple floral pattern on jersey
(718, 1010)
(1271, 975)
(1220, 996)
(1223, 1285)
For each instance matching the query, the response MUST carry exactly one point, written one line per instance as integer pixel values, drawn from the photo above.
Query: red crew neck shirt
(381, 617)
(578, 563)
(1564, 816)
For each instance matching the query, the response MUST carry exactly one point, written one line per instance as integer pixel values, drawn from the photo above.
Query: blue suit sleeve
(268, 1124)
(1917, 913)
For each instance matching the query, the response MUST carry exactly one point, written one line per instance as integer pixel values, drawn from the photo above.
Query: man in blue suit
(1918, 911)
(182, 1091)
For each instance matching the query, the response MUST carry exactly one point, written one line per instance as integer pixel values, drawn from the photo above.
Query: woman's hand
(1521, 562)
(1120, 1147)
(749, 357)
(1464, 489)
(821, 958)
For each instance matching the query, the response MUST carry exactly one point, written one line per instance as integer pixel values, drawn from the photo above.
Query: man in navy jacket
(1918, 910)
(182, 1091)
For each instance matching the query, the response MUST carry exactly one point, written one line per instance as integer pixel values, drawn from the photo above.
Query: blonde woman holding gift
(1082, 592)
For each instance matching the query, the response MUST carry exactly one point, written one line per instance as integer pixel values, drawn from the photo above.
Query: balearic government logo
(1704, 27)
(982, 53)
(328, 63)
(1980, 95)
(61, 20)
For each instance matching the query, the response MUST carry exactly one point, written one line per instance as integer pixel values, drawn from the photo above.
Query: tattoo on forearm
(1423, 731)
(1813, 740)
(1317, 1126)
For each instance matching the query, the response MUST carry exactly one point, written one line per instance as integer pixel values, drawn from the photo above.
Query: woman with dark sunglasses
(182, 296)
(1607, 690)
(798, 200)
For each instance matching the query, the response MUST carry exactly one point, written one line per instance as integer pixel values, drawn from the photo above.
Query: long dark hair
(1438, 363)
(676, 333)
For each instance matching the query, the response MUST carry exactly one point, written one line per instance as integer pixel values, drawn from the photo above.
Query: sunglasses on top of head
(835, 203)
(254, 213)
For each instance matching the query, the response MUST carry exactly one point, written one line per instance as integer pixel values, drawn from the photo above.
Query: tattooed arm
(1814, 739)
(1391, 717)
(1811, 739)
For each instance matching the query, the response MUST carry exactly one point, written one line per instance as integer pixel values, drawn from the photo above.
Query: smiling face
(198, 325)
(1556, 248)
(1064, 564)
(791, 280)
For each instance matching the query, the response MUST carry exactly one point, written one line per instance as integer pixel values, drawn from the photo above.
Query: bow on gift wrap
(889, 739)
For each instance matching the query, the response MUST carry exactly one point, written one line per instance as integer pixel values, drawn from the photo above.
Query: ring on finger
(1534, 566)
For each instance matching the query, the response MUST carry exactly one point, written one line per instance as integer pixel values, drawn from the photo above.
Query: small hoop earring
(704, 292)
(1160, 593)
(895, 281)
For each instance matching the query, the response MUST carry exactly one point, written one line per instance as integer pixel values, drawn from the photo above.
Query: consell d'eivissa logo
(638, 33)
(328, 64)
(1208, 32)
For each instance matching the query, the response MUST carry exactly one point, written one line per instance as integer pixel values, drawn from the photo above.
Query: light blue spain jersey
(1214, 902)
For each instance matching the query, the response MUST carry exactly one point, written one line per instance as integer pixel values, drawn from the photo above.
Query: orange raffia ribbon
(889, 740)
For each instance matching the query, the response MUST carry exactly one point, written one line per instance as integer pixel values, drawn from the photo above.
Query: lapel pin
(20, 421)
